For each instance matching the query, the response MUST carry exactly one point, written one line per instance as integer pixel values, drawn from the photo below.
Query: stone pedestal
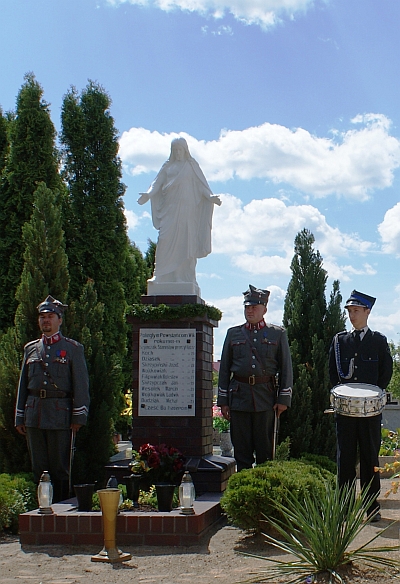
(192, 435)
(172, 288)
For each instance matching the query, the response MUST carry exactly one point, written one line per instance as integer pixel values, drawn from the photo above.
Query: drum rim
(365, 386)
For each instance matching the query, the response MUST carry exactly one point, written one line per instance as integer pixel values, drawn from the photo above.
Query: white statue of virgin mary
(182, 205)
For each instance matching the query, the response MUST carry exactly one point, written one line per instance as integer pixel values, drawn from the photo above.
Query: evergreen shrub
(17, 495)
(252, 494)
(321, 461)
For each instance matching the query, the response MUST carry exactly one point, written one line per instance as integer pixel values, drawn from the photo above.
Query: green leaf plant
(318, 532)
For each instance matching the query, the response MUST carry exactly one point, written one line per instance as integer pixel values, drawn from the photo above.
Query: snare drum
(360, 400)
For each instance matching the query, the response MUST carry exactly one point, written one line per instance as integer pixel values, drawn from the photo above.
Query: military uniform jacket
(366, 361)
(57, 367)
(263, 352)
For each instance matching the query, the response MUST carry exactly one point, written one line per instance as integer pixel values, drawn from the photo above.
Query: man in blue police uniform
(254, 355)
(360, 356)
(53, 398)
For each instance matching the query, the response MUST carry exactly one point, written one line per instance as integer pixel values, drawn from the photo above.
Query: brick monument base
(192, 435)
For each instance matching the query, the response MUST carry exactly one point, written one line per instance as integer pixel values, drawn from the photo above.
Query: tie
(357, 334)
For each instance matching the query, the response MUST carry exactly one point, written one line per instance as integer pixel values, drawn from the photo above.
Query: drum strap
(350, 372)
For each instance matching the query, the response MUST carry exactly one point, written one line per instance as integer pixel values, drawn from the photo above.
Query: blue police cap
(360, 299)
(254, 296)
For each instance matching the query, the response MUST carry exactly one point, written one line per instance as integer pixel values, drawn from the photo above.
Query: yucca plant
(318, 531)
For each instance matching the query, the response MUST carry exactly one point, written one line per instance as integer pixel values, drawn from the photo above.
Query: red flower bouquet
(164, 464)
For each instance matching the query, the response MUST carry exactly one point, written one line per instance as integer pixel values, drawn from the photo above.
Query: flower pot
(84, 494)
(226, 444)
(165, 496)
(132, 483)
(216, 437)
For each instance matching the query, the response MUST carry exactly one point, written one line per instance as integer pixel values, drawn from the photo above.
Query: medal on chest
(61, 356)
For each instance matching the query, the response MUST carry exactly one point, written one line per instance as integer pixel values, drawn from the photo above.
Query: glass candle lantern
(45, 493)
(187, 494)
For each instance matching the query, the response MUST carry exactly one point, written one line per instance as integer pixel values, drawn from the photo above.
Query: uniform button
(355, 354)
(46, 364)
(253, 366)
(254, 340)
(44, 382)
(47, 355)
(355, 379)
(253, 357)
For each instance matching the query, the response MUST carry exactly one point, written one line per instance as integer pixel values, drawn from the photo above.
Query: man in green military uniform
(53, 397)
(255, 380)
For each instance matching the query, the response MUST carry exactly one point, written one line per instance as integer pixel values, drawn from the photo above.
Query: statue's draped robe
(182, 213)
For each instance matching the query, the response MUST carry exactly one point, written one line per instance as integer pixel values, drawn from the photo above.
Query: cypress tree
(310, 324)
(150, 256)
(394, 385)
(3, 142)
(46, 264)
(96, 234)
(32, 159)
(136, 274)
(98, 248)
(44, 272)
(93, 445)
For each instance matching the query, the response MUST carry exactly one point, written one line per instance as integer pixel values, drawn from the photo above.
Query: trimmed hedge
(250, 495)
(165, 312)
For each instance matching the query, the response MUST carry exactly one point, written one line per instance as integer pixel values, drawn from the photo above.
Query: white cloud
(207, 276)
(351, 164)
(131, 218)
(388, 324)
(267, 229)
(264, 242)
(220, 31)
(346, 273)
(389, 230)
(264, 13)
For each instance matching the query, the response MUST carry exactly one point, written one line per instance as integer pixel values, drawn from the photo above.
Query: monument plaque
(167, 372)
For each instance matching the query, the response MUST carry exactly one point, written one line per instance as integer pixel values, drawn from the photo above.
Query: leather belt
(253, 379)
(43, 393)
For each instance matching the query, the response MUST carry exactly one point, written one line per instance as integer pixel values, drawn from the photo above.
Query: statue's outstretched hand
(216, 200)
(144, 197)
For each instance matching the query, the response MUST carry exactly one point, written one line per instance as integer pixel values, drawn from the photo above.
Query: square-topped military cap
(254, 296)
(50, 304)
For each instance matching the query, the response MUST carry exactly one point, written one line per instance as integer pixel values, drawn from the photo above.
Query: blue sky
(291, 108)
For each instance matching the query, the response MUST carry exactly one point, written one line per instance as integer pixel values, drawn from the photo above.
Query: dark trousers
(49, 450)
(251, 433)
(364, 433)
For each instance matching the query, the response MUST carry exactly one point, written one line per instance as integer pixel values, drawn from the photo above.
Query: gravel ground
(217, 559)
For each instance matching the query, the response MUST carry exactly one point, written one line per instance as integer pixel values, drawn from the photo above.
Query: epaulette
(275, 326)
(342, 332)
(378, 333)
(72, 341)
